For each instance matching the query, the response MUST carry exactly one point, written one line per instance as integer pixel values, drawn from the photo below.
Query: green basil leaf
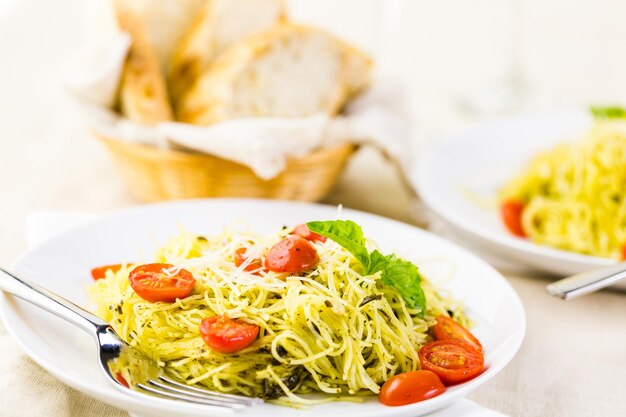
(346, 233)
(608, 112)
(398, 273)
(403, 276)
(378, 262)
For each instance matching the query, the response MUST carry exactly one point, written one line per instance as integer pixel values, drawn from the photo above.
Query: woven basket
(154, 174)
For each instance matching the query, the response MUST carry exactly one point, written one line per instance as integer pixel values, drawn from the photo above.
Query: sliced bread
(287, 71)
(155, 28)
(219, 24)
(142, 92)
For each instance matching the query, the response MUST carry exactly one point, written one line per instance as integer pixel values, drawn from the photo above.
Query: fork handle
(587, 282)
(57, 305)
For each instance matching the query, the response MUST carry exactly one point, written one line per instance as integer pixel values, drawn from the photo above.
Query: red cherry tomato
(304, 231)
(152, 283)
(292, 254)
(240, 257)
(226, 335)
(511, 212)
(624, 252)
(453, 361)
(100, 272)
(410, 387)
(447, 329)
(121, 379)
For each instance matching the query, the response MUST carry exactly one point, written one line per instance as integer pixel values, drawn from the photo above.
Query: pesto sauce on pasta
(331, 330)
(575, 194)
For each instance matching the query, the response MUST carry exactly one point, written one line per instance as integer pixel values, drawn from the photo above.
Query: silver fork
(587, 282)
(126, 367)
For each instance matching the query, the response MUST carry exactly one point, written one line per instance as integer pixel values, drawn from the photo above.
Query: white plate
(459, 180)
(62, 264)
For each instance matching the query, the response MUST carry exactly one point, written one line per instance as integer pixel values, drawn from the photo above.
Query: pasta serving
(334, 328)
(573, 197)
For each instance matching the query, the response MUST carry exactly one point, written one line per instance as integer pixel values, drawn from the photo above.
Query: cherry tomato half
(410, 387)
(292, 254)
(120, 378)
(152, 283)
(511, 212)
(447, 329)
(240, 257)
(453, 361)
(303, 230)
(226, 335)
(100, 272)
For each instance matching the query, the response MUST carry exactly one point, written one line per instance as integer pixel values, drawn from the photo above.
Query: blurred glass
(368, 24)
(349, 19)
(512, 92)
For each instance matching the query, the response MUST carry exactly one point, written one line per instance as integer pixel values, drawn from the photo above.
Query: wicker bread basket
(154, 174)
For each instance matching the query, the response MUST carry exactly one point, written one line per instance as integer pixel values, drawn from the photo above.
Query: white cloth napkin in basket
(380, 116)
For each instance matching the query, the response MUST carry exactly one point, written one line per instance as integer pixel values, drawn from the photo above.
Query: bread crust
(143, 93)
(359, 69)
(199, 47)
(209, 100)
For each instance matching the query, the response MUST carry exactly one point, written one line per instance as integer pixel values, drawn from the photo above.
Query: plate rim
(420, 178)
(129, 403)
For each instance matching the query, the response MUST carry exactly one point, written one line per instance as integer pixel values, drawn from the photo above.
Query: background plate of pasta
(545, 190)
(313, 309)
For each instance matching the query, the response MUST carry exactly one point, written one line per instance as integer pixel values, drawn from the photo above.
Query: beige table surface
(571, 363)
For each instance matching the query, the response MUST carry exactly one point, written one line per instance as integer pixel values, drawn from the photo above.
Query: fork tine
(204, 393)
(171, 395)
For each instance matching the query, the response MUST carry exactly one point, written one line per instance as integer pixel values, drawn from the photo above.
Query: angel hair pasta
(335, 329)
(574, 196)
